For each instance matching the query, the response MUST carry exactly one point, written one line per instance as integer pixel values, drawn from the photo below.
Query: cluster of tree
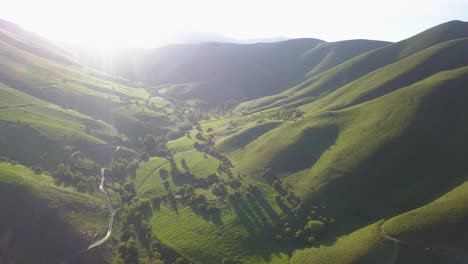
(289, 114)
(127, 192)
(151, 146)
(119, 169)
(200, 204)
(180, 132)
(266, 174)
(79, 162)
(133, 217)
(306, 228)
(221, 110)
(128, 252)
(135, 213)
(194, 116)
(63, 174)
(225, 168)
(219, 189)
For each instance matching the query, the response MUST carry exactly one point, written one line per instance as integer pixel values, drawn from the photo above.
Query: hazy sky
(146, 23)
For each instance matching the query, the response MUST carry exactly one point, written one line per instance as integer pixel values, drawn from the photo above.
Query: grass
(228, 236)
(357, 247)
(50, 120)
(182, 143)
(243, 137)
(199, 164)
(148, 180)
(441, 222)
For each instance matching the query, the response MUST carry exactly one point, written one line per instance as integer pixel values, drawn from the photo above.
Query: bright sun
(111, 24)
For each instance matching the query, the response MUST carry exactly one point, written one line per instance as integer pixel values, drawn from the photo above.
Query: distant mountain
(199, 37)
(215, 73)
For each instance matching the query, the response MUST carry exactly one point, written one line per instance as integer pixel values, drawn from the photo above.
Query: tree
(118, 260)
(310, 240)
(180, 260)
(63, 174)
(299, 233)
(219, 189)
(184, 164)
(127, 192)
(117, 170)
(163, 173)
(129, 251)
(315, 227)
(149, 142)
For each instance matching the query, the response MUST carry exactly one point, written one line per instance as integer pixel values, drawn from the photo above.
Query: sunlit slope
(383, 149)
(29, 42)
(364, 246)
(36, 132)
(442, 222)
(46, 223)
(72, 86)
(331, 54)
(445, 56)
(332, 79)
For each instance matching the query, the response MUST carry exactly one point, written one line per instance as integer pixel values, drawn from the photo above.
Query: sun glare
(108, 24)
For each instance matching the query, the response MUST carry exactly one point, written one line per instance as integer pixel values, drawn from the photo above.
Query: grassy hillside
(433, 233)
(322, 84)
(441, 57)
(412, 129)
(79, 88)
(332, 54)
(29, 42)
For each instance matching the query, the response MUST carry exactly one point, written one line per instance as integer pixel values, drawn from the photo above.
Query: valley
(298, 151)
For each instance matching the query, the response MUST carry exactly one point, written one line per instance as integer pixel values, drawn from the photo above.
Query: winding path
(111, 207)
(389, 237)
(458, 254)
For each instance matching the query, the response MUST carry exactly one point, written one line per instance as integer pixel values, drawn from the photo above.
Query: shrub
(310, 240)
(218, 189)
(299, 233)
(315, 227)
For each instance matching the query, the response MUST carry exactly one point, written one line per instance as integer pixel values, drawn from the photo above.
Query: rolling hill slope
(433, 233)
(326, 82)
(385, 148)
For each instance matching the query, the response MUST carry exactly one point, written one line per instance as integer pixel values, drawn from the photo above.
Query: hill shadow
(303, 153)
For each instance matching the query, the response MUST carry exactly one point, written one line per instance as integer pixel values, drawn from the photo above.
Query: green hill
(326, 82)
(433, 233)
(342, 150)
